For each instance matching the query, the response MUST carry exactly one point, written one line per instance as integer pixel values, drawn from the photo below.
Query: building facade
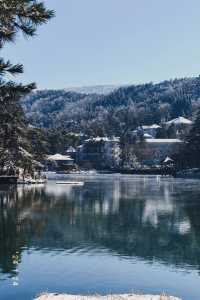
(100, 152)
(151, 129)
(59, 162)
(181, 126)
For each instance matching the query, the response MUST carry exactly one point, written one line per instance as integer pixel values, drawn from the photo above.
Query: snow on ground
(109, 297)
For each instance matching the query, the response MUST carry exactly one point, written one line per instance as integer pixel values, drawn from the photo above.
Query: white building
(59, 162)
(151, 129)
(147, 131)
(100, 152)
(179, 121)
(181, 125)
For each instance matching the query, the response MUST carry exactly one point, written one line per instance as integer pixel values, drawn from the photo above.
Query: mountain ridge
(122, 109)
(94, 89)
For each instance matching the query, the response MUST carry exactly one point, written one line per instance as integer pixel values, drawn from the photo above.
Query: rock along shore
(47, 296)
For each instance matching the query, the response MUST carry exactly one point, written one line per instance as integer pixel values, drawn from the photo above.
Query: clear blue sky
(92, 42)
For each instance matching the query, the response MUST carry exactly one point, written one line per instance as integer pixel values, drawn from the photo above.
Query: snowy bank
(47, 296)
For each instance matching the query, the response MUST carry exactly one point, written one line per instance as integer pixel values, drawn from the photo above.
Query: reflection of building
(128, 217)
(59, 162)
(156, 150)
(100, 152)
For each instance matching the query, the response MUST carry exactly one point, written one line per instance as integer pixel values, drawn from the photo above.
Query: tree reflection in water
(156, 220)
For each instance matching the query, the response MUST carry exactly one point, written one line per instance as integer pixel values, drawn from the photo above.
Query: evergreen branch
(21, 15)
(11, 90)
(8, 67)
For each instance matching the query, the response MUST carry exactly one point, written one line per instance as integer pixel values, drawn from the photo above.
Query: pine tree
(193, 146)
(189, 157)
(16, 16)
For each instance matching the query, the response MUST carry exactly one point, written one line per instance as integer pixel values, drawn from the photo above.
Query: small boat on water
(79, 183)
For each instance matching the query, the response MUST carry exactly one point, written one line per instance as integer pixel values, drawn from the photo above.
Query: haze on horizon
(112, 42)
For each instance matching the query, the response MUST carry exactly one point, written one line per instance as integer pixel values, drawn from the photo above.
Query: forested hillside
(118, 112)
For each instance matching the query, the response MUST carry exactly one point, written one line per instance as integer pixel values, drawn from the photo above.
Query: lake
(115, 234)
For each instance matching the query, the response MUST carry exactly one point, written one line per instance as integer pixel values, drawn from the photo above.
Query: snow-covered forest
(116, 113)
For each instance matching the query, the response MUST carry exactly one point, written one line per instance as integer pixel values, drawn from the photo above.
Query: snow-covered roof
(168, 159)
(103, 139)
(71, 149)
(135, 131)
(147, 136)
(76, 134)
(58, 157)
(179, 121)
(154, 126)
(31, 126)
(162, 141)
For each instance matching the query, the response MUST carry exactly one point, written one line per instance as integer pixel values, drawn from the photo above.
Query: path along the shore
(47, 296)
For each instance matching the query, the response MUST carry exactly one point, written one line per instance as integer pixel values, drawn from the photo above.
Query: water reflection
(152, 219)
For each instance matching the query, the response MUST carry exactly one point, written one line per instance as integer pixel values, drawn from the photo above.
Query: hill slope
(114, 113)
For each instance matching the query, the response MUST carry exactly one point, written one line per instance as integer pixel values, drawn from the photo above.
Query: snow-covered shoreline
(47, 296)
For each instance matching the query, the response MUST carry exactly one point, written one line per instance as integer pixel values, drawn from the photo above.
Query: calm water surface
(114, 234)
